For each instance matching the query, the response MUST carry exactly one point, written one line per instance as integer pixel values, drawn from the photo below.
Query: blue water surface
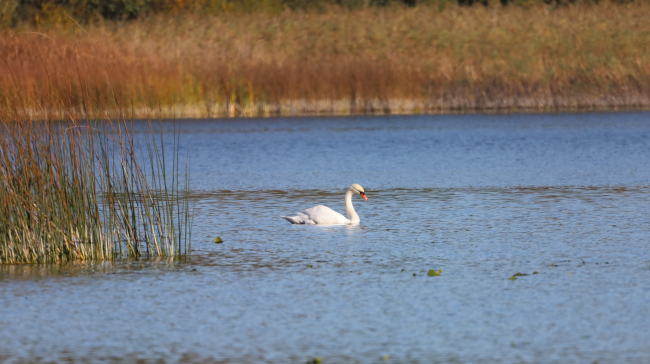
(562, 199)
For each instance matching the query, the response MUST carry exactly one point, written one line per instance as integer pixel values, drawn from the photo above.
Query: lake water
(561, 198)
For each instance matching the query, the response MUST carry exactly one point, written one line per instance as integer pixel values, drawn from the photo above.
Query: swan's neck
(354, 218)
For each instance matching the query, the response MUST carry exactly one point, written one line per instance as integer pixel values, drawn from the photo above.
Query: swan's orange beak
(363, 195)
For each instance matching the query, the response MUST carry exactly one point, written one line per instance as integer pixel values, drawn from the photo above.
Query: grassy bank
(393, 60)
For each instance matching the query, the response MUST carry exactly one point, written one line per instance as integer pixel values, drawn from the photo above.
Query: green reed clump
(72, 189)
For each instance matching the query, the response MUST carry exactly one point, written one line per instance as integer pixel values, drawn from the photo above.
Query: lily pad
(434, 273)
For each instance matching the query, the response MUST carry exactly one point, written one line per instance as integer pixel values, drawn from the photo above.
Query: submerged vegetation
(394, 59)
(75, 189)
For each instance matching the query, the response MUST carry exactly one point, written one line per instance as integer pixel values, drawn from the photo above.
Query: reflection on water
(479, 197)
(82, 269)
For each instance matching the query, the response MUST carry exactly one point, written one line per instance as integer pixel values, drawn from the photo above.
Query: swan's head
(356, 188)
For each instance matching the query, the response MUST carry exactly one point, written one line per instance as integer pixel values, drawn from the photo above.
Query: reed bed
(374, 60)
(79, 190)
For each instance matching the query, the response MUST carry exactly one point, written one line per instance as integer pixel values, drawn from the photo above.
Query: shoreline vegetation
(72, 190)
(392, 59)
(103, 189)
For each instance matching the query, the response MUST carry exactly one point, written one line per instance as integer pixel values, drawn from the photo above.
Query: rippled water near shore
(561, 198)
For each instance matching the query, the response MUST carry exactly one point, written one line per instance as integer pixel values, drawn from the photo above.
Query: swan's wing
(292, 219)
(317, 215)
(300, 219)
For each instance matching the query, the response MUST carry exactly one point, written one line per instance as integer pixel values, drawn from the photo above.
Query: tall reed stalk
(86, 189)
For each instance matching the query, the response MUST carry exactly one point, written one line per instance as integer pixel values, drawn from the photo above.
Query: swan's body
(322, 215)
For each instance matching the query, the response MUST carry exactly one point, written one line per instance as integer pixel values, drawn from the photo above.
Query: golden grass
(395, 59)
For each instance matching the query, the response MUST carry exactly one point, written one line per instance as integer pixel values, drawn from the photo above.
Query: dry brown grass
(370, 60)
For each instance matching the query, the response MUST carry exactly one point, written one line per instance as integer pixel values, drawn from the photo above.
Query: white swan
(325, 215)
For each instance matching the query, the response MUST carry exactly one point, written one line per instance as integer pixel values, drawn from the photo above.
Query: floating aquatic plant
(434, 273)
(519, 274)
